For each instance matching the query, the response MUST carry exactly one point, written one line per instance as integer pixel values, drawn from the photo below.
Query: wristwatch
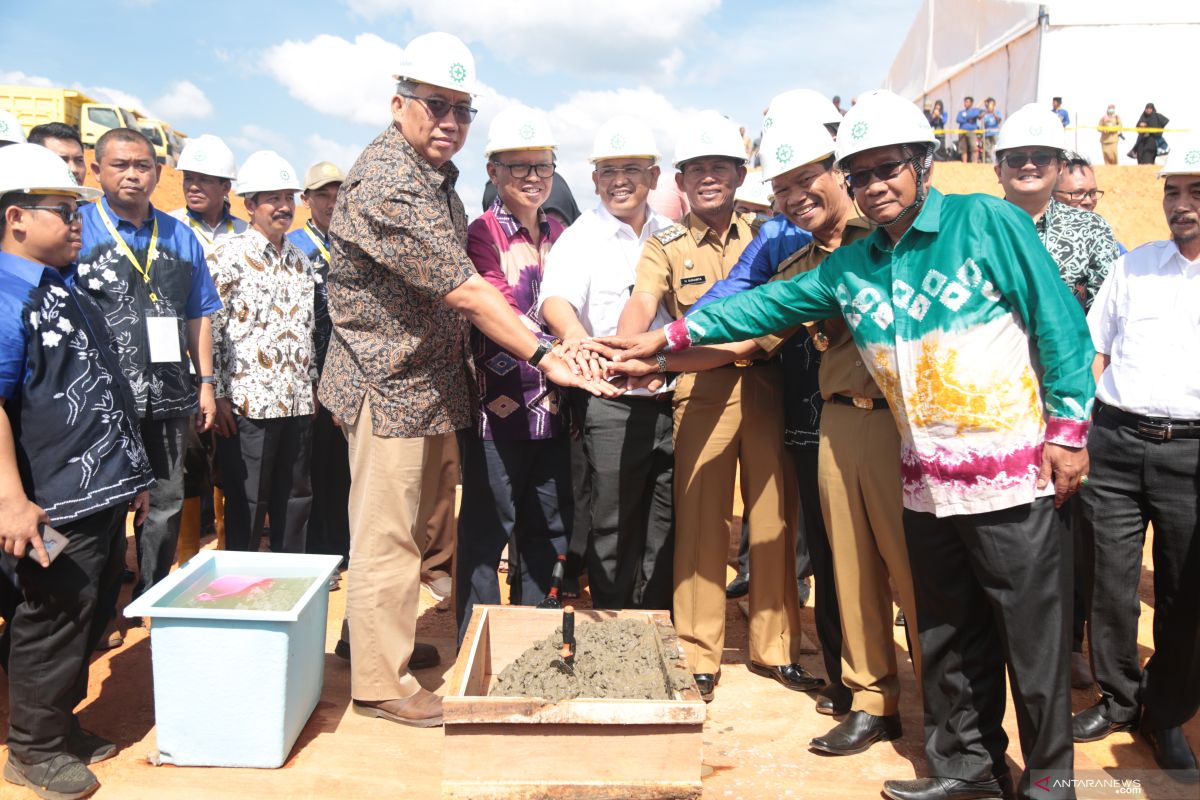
(544, 346)
(209, 379)
(661, 358)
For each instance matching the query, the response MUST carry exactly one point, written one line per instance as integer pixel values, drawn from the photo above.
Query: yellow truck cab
(34, 105)
(159, 134)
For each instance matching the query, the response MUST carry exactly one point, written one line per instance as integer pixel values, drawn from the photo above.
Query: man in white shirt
(1145, 459)
(208, 171)
(587, 281)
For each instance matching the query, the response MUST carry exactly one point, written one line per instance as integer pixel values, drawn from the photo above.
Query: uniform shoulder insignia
(670, 234)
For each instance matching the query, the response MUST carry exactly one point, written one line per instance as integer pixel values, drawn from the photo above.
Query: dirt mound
(1132, 202)
(168, 195)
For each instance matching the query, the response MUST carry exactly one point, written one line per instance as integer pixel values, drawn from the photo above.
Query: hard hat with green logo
(1032, 125)
(1184, 158)
(624, 137)
(10, 127)
(881, 119)
(708, 134)
(439, 59)
(793, 142)
(208, 155)
(32, 169)
(754, 190)
(266, 171)
(519, 128)
(805, 104)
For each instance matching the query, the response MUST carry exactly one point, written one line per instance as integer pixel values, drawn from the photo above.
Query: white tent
(1089, 52)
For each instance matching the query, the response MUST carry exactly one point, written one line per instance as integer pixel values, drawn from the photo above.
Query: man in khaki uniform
(723, 417)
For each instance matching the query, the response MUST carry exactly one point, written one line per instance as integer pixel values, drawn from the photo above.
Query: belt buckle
(742, 363)
(865, 403)
(1154, 431)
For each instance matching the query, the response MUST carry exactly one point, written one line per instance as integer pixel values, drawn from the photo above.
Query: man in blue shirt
(1056, 103)
(147, 273)
(71, 457)
(968, 122)
(991, 129)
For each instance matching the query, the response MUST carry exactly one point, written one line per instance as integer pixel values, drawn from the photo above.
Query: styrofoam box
(234, 688)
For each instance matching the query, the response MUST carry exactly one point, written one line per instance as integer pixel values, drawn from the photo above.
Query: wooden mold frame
(505, 748)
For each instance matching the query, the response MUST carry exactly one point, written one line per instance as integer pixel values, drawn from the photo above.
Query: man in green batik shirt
(983, 355)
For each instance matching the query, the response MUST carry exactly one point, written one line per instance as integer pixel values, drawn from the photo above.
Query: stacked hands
(609, 366)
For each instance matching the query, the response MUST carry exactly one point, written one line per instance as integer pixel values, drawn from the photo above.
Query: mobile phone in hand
(52, 540)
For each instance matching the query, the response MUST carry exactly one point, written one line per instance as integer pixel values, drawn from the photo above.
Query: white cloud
(323, 149)
(252, 137)
(22, 79)
(184, 100)
(620, 37)
(349, 80)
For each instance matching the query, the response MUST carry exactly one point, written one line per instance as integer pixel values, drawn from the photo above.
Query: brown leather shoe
(422, 710)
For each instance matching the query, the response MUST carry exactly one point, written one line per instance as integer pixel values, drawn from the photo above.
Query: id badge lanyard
(308, 228)
(124, 249)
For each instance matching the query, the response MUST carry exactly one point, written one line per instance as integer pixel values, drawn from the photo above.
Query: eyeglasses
(1080, 194)
(883, 172)
(523, 170)
(463, 114)
(68, 215)
(1018, 160)
(610, 173)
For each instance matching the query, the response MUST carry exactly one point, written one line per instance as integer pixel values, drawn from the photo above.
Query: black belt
(858, 401)
(1152, 429)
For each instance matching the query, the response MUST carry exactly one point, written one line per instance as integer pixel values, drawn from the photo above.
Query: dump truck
(34, 105)
(168, 142)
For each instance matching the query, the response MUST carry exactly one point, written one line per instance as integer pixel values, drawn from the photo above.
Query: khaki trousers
(393, 490)
(437, 561)
(723, 418)
(858, 473)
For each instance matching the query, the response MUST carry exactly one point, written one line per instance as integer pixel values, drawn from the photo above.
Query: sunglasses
(523, 170)
(1018, 160)
(68, 215)
(886, 171)
(463, 114)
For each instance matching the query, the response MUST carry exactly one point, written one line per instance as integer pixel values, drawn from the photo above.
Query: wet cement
(615, 659)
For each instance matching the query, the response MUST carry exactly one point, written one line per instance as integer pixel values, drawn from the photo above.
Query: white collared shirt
(211, 236)
(593, 265)
(1146, 317)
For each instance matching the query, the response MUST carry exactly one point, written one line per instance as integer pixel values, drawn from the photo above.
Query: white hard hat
(266, 171)
(881, 119)
(439, 59)
(519, 128)
(624, 137)
(793, 142)
(1184, 158)
(31, 168)
(754, 190)
(1032, 126)
(208, 155)
(709, 134)
(805, 104)
(10, 127)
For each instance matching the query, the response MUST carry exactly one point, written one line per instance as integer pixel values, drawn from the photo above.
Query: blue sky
(312, 79)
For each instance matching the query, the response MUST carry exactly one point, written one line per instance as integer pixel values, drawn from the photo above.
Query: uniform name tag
(693, 280)
(162, 334)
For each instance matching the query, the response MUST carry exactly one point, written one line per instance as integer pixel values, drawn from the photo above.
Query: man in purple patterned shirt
(516, 460)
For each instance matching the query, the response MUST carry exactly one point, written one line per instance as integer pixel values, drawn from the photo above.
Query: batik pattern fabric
(263, 357)
(1082, 244)
(515, 400)
(398, 246)
(965, 325)
(179, 280)
(74, 421)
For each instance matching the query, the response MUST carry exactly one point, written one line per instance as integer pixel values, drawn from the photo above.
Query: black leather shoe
(1172, 753)
(793, 676)
(834, 701)
(1092, 724)
(707, 682)
(942, 789)
(857, 732)
(738, 587)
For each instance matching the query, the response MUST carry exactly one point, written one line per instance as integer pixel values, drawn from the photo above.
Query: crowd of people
(958, 401)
